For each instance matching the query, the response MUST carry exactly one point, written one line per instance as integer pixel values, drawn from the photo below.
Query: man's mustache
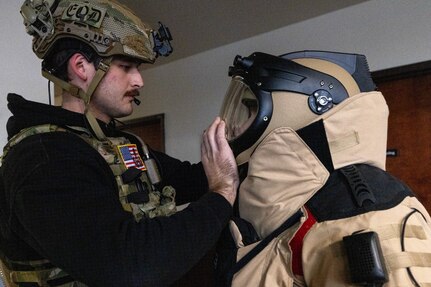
(134, 94)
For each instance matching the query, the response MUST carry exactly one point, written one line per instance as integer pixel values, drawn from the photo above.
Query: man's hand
(219, 162)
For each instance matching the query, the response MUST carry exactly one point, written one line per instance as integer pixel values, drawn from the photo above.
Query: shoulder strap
(262, 244)
(24, 133)
(358, 186)
(354, 190)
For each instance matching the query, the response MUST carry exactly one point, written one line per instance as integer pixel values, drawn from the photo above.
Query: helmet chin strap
(75, 91)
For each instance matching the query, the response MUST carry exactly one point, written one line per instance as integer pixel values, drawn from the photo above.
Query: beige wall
(190, 91)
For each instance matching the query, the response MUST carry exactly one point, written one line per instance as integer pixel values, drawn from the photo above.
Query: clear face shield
(240, 108)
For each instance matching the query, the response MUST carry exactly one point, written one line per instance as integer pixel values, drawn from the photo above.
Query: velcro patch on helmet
(84, 13)
(137, 43)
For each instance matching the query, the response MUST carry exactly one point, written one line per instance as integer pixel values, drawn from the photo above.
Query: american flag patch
(130, 156)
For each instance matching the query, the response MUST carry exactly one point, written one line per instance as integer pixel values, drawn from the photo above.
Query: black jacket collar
(28, 113)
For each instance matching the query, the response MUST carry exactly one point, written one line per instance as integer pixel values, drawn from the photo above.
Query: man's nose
(137, 80)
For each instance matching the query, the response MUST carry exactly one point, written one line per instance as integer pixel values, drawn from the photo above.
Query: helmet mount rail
(37, 15)
(161, 40)
(38, 19)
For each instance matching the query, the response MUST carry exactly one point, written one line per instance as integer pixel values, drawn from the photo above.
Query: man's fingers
(221, 133)
(210, 137)
(218, 161)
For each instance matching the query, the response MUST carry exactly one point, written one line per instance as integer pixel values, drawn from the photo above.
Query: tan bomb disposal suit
(315, 189)
(311, 252)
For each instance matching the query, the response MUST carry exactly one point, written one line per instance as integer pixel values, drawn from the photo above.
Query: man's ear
(79, 67)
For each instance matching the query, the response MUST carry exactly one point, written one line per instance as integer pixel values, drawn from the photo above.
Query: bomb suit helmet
(291, 90)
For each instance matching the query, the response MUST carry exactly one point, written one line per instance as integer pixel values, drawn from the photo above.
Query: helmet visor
(239, 109)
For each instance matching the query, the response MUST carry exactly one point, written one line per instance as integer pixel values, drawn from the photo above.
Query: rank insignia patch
(130, 156)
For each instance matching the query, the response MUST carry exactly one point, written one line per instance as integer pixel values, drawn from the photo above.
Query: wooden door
(150, 129)
(407, 91)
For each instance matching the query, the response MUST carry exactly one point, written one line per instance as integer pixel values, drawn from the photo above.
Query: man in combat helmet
(82, 203)
(315, 205)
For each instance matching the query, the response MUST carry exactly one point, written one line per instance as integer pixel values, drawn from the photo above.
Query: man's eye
(125, 67)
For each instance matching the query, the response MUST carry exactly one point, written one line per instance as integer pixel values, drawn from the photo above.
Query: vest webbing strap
(393, 231)
(95, 127)
(102, 68)
(73, 90)
(344, 142)
(38, 277)
(408, 259)
(359, 188)
(4, 275)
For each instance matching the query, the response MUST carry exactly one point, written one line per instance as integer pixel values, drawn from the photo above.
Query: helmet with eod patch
(97, 29)
(107, 26)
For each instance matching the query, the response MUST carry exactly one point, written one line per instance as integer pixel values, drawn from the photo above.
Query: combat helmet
(105, 27)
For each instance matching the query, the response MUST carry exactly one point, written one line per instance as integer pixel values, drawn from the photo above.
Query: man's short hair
(58, 57)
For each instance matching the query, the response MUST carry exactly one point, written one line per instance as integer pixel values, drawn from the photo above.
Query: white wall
(20, 72)
(190, 91)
